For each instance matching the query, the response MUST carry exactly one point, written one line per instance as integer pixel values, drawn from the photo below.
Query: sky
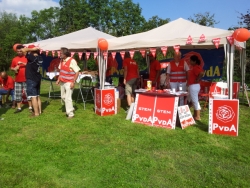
(226, 11)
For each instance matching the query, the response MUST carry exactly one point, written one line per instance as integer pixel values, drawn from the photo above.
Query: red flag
(47, 52)
(80, 55)
(87, 55)
(53, 53)
(132, 52)
(41, 51)
(177, 49)
(105, 55)
(164, 50)
(216, 42)
(58, 53)
(189, 40)
(72, 54)
(113, 54)
(230, 39)
(95, 54)
(142, 53)
(122, 54)
(202, 38)
(153, 51)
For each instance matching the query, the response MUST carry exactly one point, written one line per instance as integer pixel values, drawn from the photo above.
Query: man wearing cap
(18, 65)
(177, 74)
(154, 71)
(69, 71)
(6, 87)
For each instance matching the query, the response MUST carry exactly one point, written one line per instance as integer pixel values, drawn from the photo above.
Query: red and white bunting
(80, 55)
(143, 53)
(153, 51)
(113, 54)
(53, 53)
(72, 54)
(189, 40)
(202, 38)
(230, 40)
(58, 53)
(216, 42)
(132, 53)
(47, 52)
(41, 51)
(122, 54)
(177, 49)
(164, 50)
(95, 54)
(87, 55)
(105, 55)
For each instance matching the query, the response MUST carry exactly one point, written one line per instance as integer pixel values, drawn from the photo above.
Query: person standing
(18, 65)
(6, 88)
(195, 75)
(69, 71)
(154, 71)
(33, 77)
(177, 74)
(131, 74)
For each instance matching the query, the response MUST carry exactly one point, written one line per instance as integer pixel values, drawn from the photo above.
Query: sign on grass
(185, 116)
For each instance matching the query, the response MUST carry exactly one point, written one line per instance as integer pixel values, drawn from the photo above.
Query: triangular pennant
(164, 50)
(47, 52)
(105, 55)
(153, 51)
(202, 38)
(95, 54)
(177, 49)
(122, 54)
(189, 40)
(87, 55)
(41, 51)
(132, 53)
(230, 40)
(72, 54)
(216, 42)
(53, 53)
(80, 55)
(143, 53)
(58, 53)
(113, 54)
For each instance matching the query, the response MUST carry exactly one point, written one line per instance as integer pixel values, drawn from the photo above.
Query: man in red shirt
(18, 65)
(131, 74)
(6, 87)
(154, 71)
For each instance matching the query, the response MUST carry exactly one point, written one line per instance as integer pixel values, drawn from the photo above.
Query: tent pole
(231, 72)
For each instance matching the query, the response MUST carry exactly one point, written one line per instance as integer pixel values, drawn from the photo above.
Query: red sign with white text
(185, 116)
(217, 90)
(223, 117)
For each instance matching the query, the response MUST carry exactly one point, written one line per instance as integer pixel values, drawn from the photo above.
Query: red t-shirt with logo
(20, 75)
(154, 67)
(132, 68)
(193, 74)
(7, 83)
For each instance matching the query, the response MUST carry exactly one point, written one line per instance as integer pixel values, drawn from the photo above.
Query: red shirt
(154, 67)
(7, 83)
(193, 74)
(20, 75)
(132, 68)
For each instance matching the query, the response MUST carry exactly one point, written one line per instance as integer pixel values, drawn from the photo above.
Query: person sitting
(6, 88)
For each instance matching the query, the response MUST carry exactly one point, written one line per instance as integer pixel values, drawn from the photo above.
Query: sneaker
(17, 111)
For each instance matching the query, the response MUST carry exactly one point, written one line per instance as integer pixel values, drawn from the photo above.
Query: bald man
(6, 88)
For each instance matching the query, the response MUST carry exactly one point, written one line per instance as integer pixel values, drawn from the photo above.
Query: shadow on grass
(202, 126)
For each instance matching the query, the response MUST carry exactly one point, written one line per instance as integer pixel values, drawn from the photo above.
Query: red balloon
(15, 45)
(241, 34)
(103, 44)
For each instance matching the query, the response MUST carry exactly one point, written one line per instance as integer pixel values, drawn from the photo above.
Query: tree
(154, 22)
(204, 19)
(245, 19)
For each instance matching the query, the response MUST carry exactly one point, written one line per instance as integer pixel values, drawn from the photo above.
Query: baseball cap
(31, 46)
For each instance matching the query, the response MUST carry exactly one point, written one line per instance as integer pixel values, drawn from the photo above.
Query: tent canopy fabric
(88, 39)
(170, 34)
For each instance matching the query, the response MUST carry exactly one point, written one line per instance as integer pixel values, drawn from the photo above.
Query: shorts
(131, 86)
(33, 88)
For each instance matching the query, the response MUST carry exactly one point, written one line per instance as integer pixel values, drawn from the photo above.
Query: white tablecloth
(51, 75)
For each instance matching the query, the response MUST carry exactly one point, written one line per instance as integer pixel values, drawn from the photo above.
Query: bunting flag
(189, 40)
(153, 51)
(47, 52)
(132, 53)
(122, 54)
(164, 50)
(202, 38)
(41, 51)
(53, 53)
(113, 54)
(72, 54)
(143, 53)
(95, 54)
(80, 55)
(216, 42)
(58, 53)
(105, 55)
(177, 49)
(87, 55)
(230, 40)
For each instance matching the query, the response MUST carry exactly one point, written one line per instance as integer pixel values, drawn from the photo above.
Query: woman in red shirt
(194, 76)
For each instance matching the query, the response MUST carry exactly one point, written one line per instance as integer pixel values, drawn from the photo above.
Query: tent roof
(88, 37)
(170, 34)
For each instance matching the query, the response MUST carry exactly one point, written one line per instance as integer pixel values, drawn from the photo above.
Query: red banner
(153, 51)
(164, 50)
(216, 42)
(189, 40)
(72, 54)
(113, 55)
(202, 38)
(223, 117)
(87, 55)
(95, 54)
(143, 53)
(80, 55)
(177, 49)
(122, 54)
(131, 52)
(58, 53)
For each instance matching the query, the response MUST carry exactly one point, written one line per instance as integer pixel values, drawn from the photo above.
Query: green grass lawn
(93, 151)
